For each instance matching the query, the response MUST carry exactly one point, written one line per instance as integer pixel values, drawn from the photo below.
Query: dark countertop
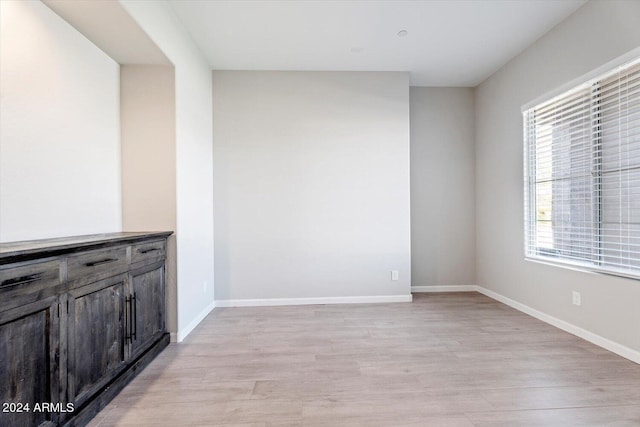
(20, 251)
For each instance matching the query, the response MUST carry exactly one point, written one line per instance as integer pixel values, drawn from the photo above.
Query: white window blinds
(582, 175)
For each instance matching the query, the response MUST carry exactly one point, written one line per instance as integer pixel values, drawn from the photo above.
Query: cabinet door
(95, 337)
(29, 363)
(147, 289)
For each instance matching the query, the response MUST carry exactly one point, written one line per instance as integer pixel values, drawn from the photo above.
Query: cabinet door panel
(96, 336)
(147, 286)
(28, 361)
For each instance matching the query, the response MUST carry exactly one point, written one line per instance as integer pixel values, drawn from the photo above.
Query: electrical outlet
(394, 275)
(577, 300)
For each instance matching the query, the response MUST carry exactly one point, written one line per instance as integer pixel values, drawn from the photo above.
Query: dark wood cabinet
(29, 361)
(95, 337)
(79, 317)
(147, 300)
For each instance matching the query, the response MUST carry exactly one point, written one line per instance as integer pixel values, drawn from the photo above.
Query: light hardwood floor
(444, 360)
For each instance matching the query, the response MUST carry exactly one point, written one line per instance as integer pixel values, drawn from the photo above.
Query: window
(582, 175)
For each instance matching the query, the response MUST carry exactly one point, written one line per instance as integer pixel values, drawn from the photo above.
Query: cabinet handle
(127, 313)
(135, 316)
(146, 251)
(21, 280)
(102, 261)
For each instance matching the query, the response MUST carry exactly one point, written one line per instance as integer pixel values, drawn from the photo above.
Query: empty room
(266, 213)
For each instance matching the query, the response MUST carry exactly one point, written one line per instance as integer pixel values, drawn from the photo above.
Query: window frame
(533, 252)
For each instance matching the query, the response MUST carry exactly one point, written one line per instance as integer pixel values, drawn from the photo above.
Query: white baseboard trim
(605, 343)
(452, 288)
(182, 333)
(271, 302)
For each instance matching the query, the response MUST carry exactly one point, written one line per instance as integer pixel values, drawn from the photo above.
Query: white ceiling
(449, 43)
(111, 28)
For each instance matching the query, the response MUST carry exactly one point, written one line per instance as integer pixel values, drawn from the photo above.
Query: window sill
(582, 267)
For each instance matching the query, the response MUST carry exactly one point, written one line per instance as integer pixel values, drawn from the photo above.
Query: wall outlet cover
(576, 299)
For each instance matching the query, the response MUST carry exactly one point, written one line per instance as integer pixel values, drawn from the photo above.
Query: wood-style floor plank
(452, 360)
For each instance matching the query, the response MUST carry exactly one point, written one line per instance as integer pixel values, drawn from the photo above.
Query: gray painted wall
(311, 184)
(442, 187)
(597, 33)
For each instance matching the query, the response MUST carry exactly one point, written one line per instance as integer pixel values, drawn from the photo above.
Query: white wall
(442, 187)
(148, 147)
(597, 33)
(194, 169)
(311, 184)
(59, 128)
